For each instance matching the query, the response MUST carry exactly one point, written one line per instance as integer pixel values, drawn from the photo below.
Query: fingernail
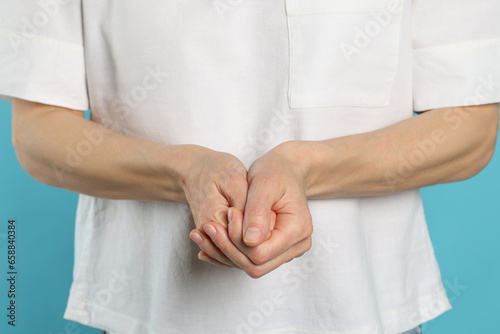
(252, 234)
(210, 230)
(196, 238)
(230, 216)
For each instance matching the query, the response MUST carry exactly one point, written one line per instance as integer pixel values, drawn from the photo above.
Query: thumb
(258, 219)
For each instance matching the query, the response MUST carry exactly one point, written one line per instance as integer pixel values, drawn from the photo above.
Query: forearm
(439, 146)
(63, 149)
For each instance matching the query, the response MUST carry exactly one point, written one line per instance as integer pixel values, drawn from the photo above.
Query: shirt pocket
(342, 52)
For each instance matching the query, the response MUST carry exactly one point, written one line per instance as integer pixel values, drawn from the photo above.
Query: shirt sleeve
(41, 52)
(456, 53)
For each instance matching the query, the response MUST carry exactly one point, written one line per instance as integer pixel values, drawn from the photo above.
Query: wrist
(338, 167)
(176, 163)
(307, 159)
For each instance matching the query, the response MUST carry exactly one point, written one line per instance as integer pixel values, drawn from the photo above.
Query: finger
(235, 232)
(287, 232)
(271, 226)
(206, 245)
(225, 245)
(205, 257)
(257, 270)
(236, 192)
(295, 251)
(257, 220)
(220, 216)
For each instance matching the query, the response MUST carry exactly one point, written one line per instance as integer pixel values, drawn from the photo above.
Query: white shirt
(242, 77)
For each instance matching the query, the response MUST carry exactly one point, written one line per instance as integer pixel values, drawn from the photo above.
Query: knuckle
(258, 256)
(304, 248)
(220, 216)
(227, 180)
(224, 247)
(209, 192)
(218, 212)
(257, 213)
(308, 245)
(308, 226)
(309, 230)
(255, 272)
(209, 252)
(238, 177)
(233, 168)
(235, 165)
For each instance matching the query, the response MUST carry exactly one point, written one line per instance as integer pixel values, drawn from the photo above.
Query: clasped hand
(255, 220)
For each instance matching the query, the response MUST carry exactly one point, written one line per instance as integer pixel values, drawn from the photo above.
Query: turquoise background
(463, 219)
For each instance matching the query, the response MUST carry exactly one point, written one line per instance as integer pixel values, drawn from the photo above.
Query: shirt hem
(423, 309)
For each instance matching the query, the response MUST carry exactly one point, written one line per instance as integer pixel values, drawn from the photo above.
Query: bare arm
(59, 147)
(439, 146)
(112, 165)
(443, 145)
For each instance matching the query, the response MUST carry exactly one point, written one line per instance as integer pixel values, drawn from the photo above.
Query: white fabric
(41, 50)
(456, 57)
(242, 77)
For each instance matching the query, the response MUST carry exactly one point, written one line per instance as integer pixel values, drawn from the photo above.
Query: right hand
(213, 182)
